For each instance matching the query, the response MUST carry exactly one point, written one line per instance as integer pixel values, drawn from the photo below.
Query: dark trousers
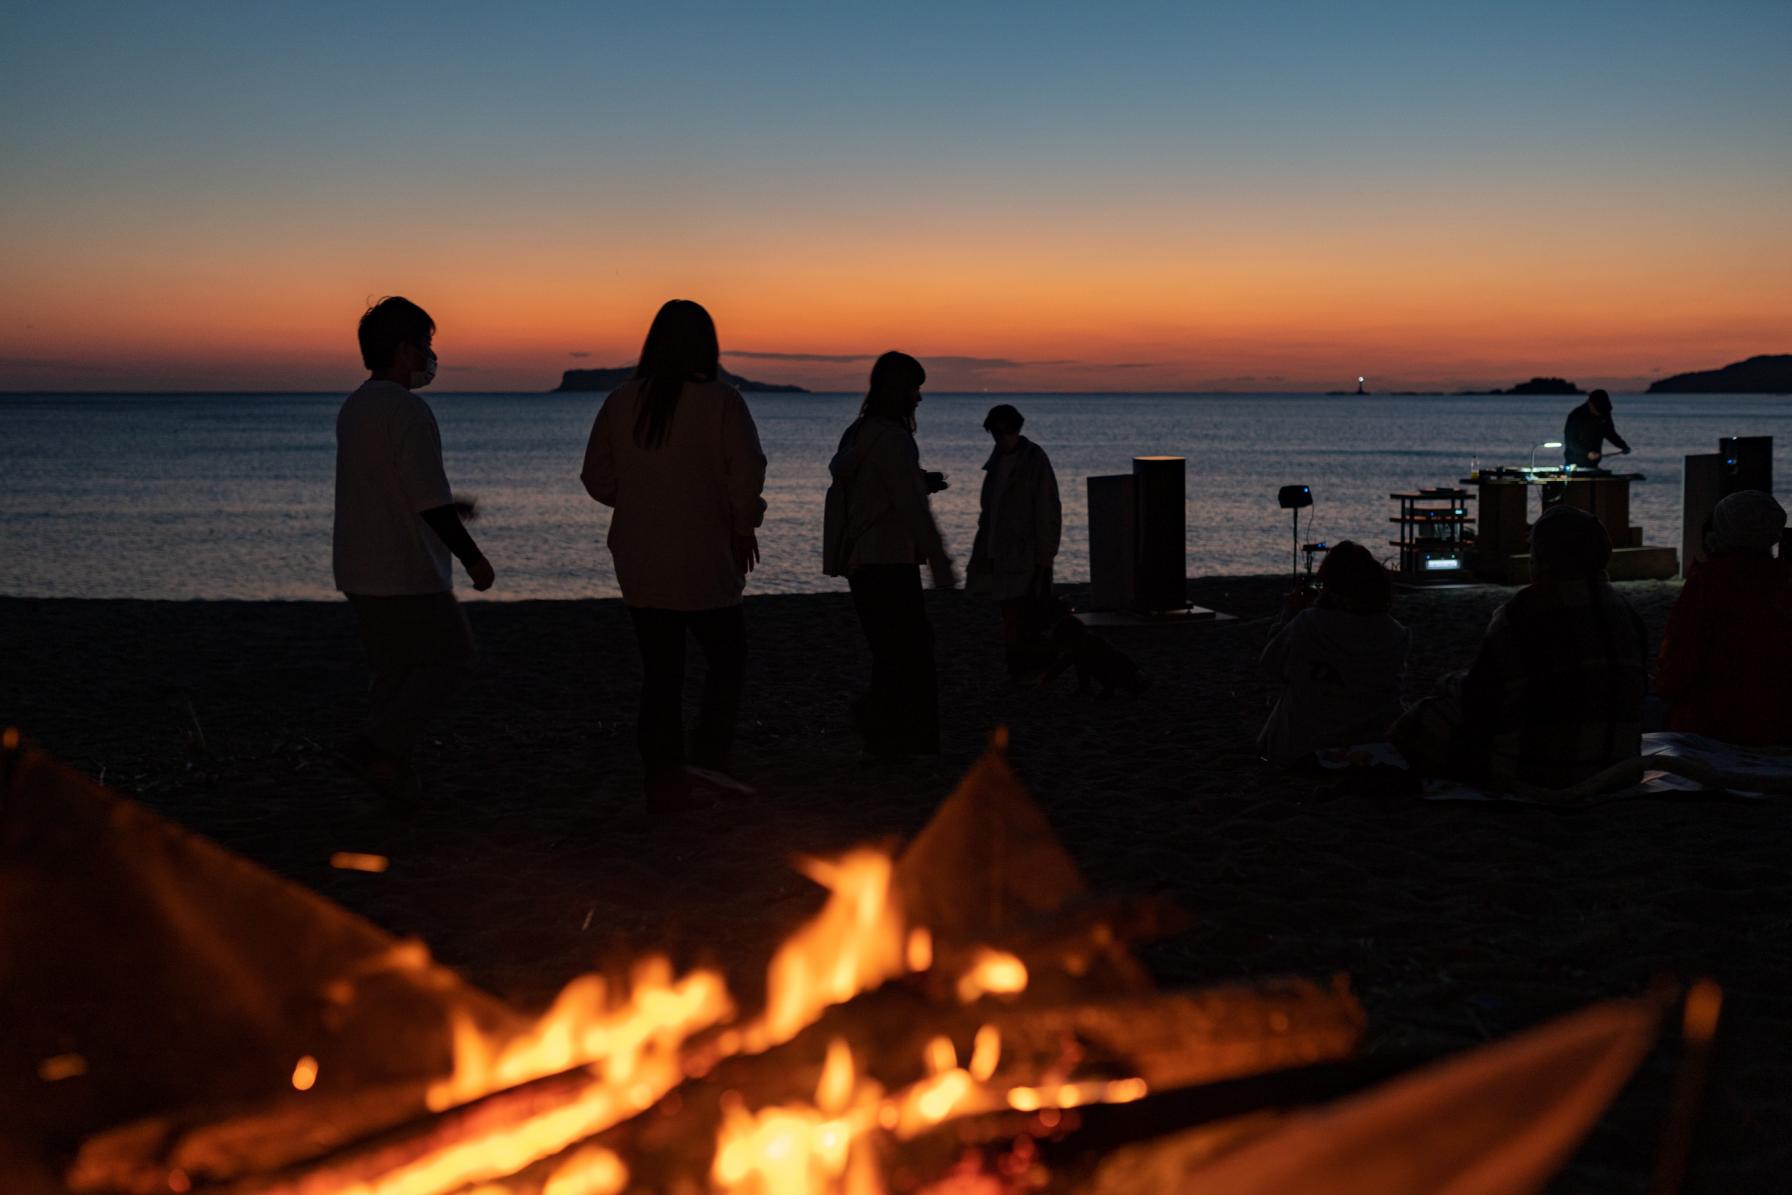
(901, 714)
(421, 654)
(660, 634)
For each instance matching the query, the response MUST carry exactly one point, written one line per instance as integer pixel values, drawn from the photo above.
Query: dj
(1588, 428)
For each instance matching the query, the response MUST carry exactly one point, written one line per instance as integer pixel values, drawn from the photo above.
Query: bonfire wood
(1172, 1041)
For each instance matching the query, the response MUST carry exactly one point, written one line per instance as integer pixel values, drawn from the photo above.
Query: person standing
(1587, 430)
(675, 452)
(1018, 528)
(396, 524)
(877, 532)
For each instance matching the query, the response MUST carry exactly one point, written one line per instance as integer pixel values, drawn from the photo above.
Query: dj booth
(1502, 548)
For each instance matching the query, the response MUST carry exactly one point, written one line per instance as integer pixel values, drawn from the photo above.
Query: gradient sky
(1177, 196)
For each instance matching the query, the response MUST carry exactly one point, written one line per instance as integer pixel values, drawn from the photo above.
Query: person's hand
(481, 571)
(1625, 451)
(746, 551)
(944, 576)
(935, 482)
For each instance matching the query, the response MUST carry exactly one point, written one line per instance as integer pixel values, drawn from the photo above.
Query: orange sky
(1273, 199)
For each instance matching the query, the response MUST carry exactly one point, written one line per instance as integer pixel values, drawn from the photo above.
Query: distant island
(605, 380)
(1537, 386)
(1757, 375)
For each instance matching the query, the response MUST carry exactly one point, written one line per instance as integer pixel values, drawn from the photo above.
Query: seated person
(1555, 694)
(1726, 658)
(1339, 661)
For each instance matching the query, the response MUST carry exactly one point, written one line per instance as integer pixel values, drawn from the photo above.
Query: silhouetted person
(1725, 668)
(1588, 429)
(1018, 527)
(1339, 658)
(675, 452)
(396, 523)
(877, 532)
(1556, 691)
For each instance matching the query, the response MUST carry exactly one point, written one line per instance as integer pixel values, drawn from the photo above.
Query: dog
(1095, 660)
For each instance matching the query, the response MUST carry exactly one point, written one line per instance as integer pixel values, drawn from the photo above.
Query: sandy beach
(1456, 922)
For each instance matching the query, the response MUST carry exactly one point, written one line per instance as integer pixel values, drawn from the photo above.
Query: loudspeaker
(1748, 464)
(1161, 486)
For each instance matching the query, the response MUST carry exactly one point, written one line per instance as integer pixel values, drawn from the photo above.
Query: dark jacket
(1586, 433)
(1018, 528)
(1556, 693)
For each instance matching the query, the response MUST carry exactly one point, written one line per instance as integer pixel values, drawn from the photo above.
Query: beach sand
(1456, 922)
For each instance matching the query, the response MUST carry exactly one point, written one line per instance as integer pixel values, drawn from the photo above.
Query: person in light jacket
(1017, 533)
(674, 450)
(877, 532)
(1339, 662)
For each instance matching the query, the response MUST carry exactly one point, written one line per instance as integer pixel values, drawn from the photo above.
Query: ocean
(229, 496)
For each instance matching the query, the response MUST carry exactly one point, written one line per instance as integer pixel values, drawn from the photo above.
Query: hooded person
(1588, 428)
(1019, 522)
(1555, 694)
(877, 532)
(1339, 662)
(1725, 668)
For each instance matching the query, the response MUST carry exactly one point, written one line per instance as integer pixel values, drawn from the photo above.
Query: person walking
(674, 451)
(396, 523)
(877, 532)
(1018, 527)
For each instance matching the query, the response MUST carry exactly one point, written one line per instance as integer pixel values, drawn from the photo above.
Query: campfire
(961, 1017)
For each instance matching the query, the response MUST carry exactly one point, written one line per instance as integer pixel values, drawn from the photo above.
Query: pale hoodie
(679, 506)
(1340, 674)
(877, 510)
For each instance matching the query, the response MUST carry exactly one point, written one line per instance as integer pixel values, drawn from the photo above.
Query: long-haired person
(878, 531)
(1339, 660)
(675, 452)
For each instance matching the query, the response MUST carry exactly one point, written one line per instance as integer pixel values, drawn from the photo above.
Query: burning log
(1159, 1042)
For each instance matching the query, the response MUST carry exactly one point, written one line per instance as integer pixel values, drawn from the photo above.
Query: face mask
(423, 377)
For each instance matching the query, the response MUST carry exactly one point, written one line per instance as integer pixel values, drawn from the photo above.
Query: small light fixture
(1545, 444)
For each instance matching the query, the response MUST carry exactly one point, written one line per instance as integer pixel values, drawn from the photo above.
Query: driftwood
(1171, 1041)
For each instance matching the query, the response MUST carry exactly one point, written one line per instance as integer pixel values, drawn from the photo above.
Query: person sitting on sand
(877, 530)
(396, 522)
(674, 450)
(1725, 668)
(1339, 659)
(1018, 527)
(1555, 694)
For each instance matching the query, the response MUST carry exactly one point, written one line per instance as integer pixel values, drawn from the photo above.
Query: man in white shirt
(396, 524)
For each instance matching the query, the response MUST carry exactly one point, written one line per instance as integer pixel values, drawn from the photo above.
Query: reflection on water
(228, 496)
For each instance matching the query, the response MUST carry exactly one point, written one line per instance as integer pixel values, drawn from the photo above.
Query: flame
(992, 971)
(633, 1044)
(857, 941)
(592, 1170)
(814, 1149)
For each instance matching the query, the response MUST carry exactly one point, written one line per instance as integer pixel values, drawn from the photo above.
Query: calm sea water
(229, 496)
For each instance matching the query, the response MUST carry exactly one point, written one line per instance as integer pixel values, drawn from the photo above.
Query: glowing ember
(60, 1067)
(356, 861)
(304, 1074)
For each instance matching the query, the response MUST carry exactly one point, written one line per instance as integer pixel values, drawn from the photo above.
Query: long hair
(894, 379)
(1352, 579)
(681, 347)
